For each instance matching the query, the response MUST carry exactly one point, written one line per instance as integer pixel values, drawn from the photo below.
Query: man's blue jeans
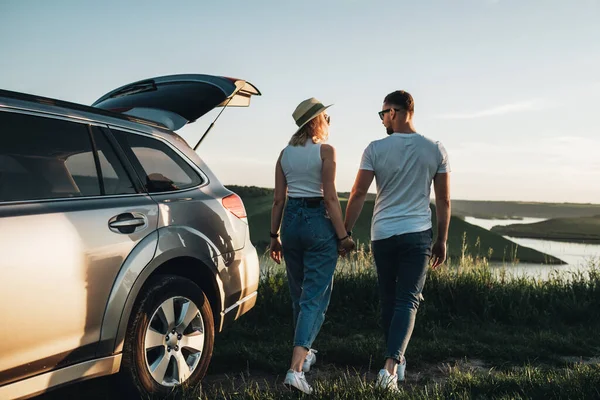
(402, 263)
(310, 252)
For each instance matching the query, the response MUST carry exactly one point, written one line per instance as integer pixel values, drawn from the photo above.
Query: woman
(312, 232)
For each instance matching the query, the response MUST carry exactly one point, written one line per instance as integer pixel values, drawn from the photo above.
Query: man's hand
(346, 246)
(438, 254)
(276, 250)
(441, 186)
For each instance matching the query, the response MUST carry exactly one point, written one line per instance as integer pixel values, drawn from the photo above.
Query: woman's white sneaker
(386, 381)
(310, 360)
(297, 380)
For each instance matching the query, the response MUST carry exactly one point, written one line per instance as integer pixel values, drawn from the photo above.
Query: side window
(82, 168)
(43, 158)
(159, 167)
(115, 178)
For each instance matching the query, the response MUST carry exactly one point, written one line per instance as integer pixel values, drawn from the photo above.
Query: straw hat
(308, 110)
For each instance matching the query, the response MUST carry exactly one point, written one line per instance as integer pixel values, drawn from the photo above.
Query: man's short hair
(401, 99)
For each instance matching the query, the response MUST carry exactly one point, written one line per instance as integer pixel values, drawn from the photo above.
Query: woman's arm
(329, 191)
(277, 211)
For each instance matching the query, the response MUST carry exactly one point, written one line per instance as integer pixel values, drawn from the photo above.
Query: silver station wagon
(120, 251)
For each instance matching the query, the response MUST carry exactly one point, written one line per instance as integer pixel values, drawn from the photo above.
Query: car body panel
(39, 384)
(61, 256)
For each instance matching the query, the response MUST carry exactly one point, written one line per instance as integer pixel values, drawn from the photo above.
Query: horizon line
(433, 198)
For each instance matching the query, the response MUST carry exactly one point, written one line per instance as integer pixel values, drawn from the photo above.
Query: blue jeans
(402, 263)
(310, 253)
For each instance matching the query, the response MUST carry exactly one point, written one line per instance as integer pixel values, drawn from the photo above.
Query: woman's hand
(345, 246)
(276, 250)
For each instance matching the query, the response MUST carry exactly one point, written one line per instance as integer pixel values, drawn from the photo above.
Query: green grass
(582, 229)
(468, 311)
(479, 334)
(462, 237)
(528, 382)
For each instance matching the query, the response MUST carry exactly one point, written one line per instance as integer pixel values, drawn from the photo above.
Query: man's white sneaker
(310, 360)
(401, 370)
(386, 381)
(297, 380)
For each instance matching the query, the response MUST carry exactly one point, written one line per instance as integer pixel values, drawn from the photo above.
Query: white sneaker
(386, 381)
(310, 360)
(401, 370)
(297, 380)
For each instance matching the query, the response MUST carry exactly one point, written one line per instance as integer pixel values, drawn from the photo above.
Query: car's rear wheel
(170, 340)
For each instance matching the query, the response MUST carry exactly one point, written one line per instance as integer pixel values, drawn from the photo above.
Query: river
(578, 256)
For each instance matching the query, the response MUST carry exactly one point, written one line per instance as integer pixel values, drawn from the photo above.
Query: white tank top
(302, 167)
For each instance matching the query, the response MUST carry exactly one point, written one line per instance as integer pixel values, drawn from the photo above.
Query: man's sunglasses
(382, 113)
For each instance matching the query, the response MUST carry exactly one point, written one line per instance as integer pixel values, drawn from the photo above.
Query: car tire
(163, 308)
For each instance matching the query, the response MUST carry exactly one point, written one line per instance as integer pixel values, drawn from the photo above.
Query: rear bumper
(241, 307)
(247, 273)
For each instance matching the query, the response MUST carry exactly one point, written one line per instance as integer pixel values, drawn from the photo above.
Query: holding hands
(275, 250)
(345, 246)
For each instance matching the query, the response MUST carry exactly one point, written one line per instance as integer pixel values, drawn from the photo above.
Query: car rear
(223, 219)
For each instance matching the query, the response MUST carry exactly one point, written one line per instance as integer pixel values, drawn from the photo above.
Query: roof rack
(77, 107)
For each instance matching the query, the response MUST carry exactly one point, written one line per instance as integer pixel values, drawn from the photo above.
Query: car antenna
(212, 124)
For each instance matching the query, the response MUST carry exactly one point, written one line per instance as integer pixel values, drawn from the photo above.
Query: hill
(516, 209)
(581, 230)
(473, 239)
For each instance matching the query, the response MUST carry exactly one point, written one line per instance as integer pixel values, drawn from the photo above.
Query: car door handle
(128, 223)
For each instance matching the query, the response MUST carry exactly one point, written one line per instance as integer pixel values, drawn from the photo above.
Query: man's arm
(363, 181)
(441, 187)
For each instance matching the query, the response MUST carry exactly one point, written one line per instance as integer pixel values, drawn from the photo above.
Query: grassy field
(463, 237)
(582, 229)
(478, 335)
(521, 209)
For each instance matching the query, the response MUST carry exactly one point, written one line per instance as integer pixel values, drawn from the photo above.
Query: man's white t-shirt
(404, 166)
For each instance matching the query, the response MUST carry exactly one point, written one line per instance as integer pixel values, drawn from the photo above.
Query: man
(404, 165)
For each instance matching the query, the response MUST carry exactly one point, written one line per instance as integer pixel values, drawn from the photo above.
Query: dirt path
(418, 378)
(428, 375)
(109, 387)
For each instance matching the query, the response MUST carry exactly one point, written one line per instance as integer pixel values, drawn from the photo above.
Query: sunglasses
(327, 118)
(382, 113)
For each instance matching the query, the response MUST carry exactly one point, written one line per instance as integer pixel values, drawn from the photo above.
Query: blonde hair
(316, 129)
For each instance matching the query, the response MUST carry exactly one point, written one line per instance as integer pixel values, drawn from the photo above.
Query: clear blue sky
(511, 88)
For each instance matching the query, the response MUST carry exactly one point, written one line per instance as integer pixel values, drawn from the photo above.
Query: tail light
(234, 204)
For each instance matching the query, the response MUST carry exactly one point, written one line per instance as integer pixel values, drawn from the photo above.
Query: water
(489, 223)
(571, 253)
(577, 255)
